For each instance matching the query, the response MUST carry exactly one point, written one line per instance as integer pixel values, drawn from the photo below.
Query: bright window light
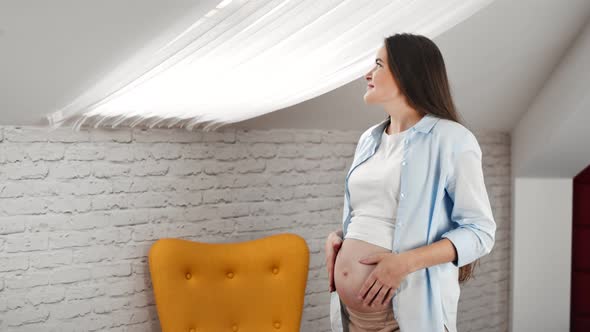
(243, 59)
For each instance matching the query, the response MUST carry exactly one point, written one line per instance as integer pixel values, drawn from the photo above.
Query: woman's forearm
(439, 252)
(442, 251)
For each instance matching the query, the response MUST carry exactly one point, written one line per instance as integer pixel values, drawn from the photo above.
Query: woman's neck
(402, 123)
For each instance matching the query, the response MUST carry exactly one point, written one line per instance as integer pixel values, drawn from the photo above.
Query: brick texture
(79, 211)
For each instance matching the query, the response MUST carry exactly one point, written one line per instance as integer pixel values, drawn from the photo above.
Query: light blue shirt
(442, 195)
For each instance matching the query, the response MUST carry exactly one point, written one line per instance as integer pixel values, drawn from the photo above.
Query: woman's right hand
(333, 243)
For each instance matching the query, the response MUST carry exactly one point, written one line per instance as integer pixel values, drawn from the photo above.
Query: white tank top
(374, 188)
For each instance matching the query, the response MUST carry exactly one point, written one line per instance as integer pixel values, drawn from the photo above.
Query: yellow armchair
(252, 286)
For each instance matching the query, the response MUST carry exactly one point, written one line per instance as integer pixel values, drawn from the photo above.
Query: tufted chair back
(252, 286)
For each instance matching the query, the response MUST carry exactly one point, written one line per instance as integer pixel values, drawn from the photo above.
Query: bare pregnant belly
(350, 275)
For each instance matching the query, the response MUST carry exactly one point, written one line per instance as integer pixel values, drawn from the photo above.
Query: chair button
(277, 325)
(230, 275)
(191, 330)
(234, 328)
(275, 270)
(188, 276)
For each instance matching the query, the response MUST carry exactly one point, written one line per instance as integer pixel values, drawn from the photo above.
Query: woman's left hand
(381, 284)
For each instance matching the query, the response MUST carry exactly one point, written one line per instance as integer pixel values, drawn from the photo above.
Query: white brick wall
(79, 211)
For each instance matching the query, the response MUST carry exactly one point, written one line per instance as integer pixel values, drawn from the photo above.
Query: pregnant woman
(416, 211)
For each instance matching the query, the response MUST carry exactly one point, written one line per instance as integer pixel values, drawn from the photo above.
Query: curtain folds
(243, 59)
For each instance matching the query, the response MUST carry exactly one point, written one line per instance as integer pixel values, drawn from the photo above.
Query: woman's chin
(368, 100)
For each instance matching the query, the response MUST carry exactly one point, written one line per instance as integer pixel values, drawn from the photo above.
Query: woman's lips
(370, 86)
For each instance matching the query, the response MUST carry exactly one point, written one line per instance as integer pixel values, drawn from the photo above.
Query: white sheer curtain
(246, 58)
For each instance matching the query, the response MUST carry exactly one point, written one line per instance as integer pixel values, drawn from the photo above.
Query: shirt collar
(424, 125)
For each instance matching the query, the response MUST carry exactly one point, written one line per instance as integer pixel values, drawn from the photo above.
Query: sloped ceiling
(551, 139)
(497, 60)
(50, 52)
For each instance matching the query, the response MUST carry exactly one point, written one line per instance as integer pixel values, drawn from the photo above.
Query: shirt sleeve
(475, 235)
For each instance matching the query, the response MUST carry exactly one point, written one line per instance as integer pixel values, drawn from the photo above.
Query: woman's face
(384, 89)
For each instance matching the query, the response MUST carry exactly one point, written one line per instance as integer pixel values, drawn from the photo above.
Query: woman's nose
(369, 75)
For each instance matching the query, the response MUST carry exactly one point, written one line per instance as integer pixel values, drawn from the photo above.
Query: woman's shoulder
(367, 132)
(449, 131)
(449, 127)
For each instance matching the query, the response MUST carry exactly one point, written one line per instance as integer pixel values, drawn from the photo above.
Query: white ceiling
(52, 51)
(497, 60)
(551, 139)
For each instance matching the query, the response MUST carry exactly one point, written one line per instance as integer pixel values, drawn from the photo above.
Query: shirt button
(406, 141)
(403, 163)
(402, 195)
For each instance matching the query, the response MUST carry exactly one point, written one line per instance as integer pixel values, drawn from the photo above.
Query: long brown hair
(419, 71)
